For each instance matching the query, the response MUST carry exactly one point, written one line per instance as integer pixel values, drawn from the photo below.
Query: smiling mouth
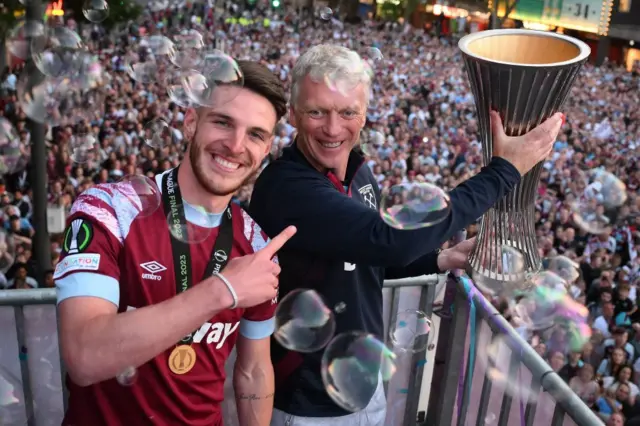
(331, 145)
(225, 164)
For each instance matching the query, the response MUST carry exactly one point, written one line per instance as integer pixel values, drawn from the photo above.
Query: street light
(41, 247)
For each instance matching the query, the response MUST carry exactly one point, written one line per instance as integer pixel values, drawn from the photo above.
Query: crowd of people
(421, 117)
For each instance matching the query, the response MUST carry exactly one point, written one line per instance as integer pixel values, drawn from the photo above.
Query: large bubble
(303, 322)
(354, 365)
(597, 209)
(415, 206)
(411, 331)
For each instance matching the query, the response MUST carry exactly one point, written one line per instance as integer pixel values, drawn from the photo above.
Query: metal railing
(474, 390)
(31, 366)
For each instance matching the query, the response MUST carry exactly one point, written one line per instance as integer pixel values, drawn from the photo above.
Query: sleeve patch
(253, 233)
(77, 262)
(78, 236)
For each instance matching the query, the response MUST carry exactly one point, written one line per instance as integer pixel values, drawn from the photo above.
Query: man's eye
(222, 123)
(314, 113)
(257, 135)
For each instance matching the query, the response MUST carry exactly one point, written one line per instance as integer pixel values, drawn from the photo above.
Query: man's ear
(190, 124)
(292, 117)
(269, 144)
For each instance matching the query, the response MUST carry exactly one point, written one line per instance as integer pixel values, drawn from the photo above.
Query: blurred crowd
(421, 127)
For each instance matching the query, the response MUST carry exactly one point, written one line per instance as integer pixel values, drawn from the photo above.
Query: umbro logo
(153, 267)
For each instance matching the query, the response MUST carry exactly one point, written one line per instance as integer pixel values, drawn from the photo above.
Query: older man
(343, 249)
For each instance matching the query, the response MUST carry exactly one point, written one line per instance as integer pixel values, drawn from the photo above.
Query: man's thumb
(496, 125)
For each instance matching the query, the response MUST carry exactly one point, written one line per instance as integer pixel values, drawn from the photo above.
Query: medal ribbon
(174, 210)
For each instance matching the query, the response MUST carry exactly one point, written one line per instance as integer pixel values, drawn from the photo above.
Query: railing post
(427, 296)
(449, 357)
(24, 365)
(63, 369)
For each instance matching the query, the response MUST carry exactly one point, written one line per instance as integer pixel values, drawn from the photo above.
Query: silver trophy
(526, 76)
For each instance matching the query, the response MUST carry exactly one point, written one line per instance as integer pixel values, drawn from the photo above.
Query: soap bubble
(411, 331)
(128, 377)
(303, 321)
(196, 229)
(143, 193)
(415, 206)
(326, 13)
(502, 271)
(353, 365)
(159, 134)
(598, 206)
(95, 10)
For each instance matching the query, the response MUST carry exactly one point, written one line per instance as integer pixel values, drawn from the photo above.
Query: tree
(353, 7)
(8, 16)
(410, 7)
(496, 22)
(8, 20)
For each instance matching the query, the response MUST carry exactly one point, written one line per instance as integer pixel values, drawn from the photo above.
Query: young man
(131, 295)
(343, 249)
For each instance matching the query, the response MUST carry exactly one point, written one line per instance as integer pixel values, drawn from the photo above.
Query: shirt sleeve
(425, 265)
(259, 322)
(333, 225)
(91, 247)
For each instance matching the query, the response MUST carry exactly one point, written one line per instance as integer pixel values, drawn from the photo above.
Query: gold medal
(182, 359)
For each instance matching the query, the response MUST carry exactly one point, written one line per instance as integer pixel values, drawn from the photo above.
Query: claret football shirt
(112, 252)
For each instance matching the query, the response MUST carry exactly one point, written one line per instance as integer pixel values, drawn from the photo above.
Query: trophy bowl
(525, 76)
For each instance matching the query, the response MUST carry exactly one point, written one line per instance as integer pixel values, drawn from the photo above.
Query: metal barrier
(477, 392)
(33, 373)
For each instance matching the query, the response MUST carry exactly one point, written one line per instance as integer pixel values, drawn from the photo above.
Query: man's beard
(196, 157)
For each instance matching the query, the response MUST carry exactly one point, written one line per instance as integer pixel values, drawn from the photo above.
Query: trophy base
(496, 284)
(495, 279)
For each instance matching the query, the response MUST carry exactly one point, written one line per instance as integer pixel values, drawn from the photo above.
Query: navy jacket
(344, 250)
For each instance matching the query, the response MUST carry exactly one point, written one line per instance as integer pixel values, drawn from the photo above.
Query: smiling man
(133, 297)
(343, 249)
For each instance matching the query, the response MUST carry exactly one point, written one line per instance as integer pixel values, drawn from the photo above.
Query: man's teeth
(226, 164)
(331, 144)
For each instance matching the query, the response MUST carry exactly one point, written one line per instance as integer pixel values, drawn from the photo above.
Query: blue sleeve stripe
(256, 330)
(89, 284)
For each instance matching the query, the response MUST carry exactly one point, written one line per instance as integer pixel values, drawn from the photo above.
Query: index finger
(278, 241)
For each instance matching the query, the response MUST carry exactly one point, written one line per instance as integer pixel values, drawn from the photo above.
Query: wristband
(229, 287)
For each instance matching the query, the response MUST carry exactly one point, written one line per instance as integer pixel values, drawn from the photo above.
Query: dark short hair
(619, 330)
(260, 80)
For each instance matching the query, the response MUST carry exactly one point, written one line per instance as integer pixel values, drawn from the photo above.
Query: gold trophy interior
(523, 49)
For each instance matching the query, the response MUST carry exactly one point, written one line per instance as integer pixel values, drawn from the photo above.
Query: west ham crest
(368, 196)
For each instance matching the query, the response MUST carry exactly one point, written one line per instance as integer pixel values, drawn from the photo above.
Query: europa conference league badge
(182, 359)
(77, 236)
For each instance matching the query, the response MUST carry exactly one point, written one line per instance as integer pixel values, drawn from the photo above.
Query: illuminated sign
(583, 15)
(55, 9)
(449, 12)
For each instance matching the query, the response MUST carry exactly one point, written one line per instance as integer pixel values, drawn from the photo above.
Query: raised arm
(330, 222)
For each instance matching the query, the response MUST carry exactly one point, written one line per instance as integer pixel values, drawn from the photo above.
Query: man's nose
(235, 142)
(333, 125)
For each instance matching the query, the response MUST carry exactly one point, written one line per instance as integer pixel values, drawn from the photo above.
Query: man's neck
(195, 194)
